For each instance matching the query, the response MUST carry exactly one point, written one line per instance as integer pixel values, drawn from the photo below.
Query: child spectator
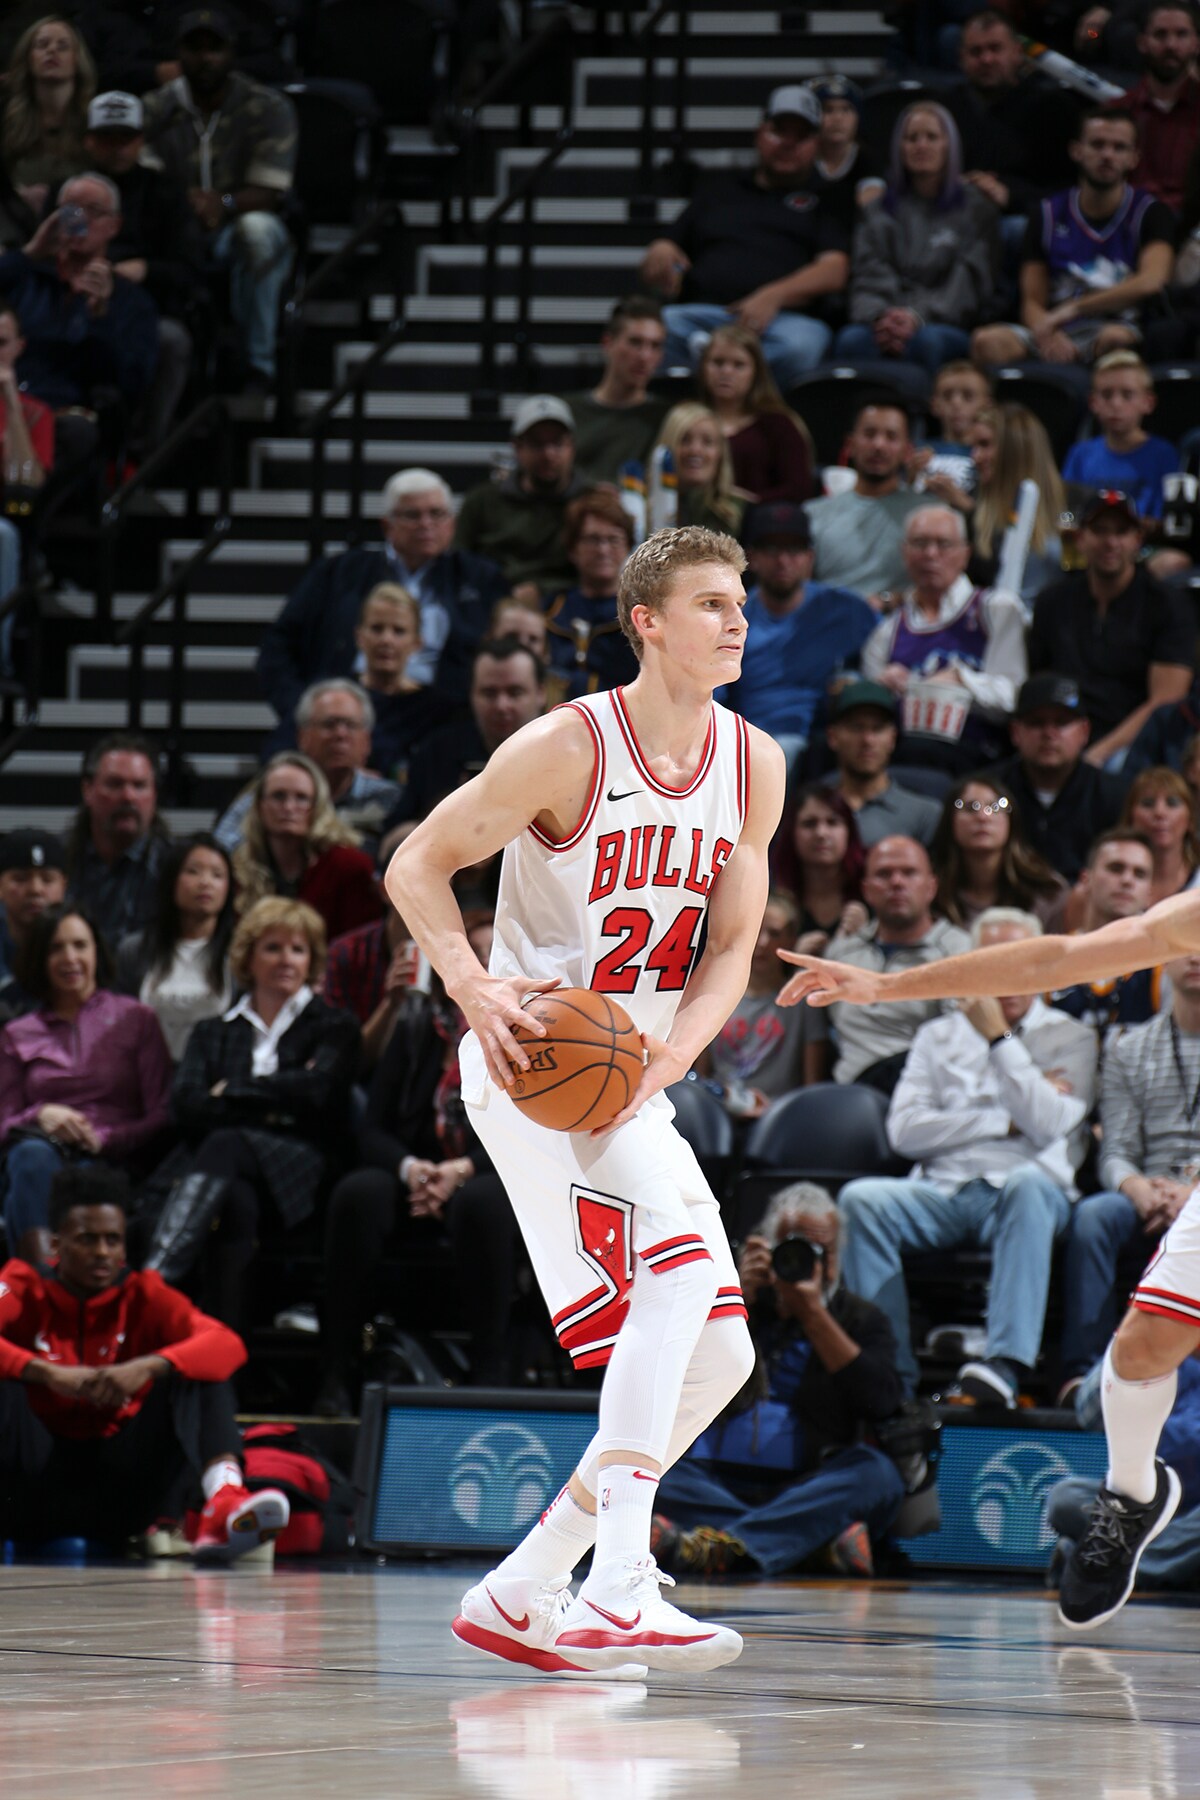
(844, 174)
(1124, 455)
(944, 465)
(771, 450)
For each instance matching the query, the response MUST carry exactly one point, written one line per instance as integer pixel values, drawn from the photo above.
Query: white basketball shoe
(517, 1618)
(626, 1616)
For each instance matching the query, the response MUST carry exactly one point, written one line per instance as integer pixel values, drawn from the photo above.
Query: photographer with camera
(783, 1476)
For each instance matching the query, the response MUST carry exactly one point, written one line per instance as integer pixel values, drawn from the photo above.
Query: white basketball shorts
(598, 1214)
(1170, 1284)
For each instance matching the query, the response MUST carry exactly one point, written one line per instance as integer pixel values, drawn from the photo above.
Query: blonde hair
(1023, 453)
(718, 497)
(251, 863)
(264, 916)
(764, 396)
(650, 569)
(1123, 359)
(22, 130)
(390, 593)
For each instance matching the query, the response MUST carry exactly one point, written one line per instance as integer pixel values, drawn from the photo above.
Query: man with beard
(518, 523)
(1063, 800)
(232, 143)
(1093, 256)
(862, 734)
(858, 536)
(1166, 101)
(116, 844)
(1014, 123)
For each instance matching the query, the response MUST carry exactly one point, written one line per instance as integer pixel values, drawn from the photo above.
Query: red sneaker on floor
(236, 1520)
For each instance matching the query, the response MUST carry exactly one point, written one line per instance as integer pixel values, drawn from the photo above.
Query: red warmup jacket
(139, 1316)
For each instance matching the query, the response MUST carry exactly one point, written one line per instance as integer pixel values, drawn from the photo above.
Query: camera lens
(795, 1258)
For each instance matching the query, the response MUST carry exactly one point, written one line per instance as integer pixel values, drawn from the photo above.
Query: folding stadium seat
(1178, 408)
(828, 399)
(707, 1127)
(1056, 396)
(828, 1133)
(340, 144)
(399, 49)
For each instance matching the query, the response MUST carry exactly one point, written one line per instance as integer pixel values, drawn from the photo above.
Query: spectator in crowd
(1009, 445)
(899, 887)
(1149, 1153)
(1065, 802)
(406, 710)
(1114, 885)
(368, 973)
(703, 468)
(949, 637)
(859, 535)
(1094, 255)
(982, 858)
(757, 1055)
(769, 446)
(231, 142)
(1124, 455)
(1127, 641)
(1168, 736)
(760, 249)
(819, 864)
(335, 724)
(989, 1108)
(518, 522)
(51, 80)
(829, 1357)
(158, 246)
(33, 877)
(86, 1074)
(926, 258)
(178, 964)
(1166, 101)
(521, 616)
(508, 689)
(1015, 125)
(86, 329)
(800, 631)
(422, 1171)
(862, 733)
(1158, 806)
(295, 845)
(617, 422)
(262, 1098)
(117, 842)
(945, 466)
(314, 634)
(583, 644)
(127, 1392)
(27, 450)
(844, 174)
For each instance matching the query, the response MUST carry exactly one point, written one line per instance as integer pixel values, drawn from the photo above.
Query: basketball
(585, 1069)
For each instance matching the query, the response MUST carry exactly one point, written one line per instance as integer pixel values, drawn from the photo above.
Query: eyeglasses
(942, 546)
(602, 540)
(987, 807)
(433, 515)
(328, 726)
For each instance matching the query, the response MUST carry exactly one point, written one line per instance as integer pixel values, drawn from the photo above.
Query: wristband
(229, 206)
(1004, 1038)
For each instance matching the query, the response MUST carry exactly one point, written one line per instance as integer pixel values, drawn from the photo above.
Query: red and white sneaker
(517, 1618)
(629, 1617)
(235, 1521)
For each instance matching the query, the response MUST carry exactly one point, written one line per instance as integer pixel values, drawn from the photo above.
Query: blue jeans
(1018, 1222)
(1102, 1226)
(258, 250)
(793, 1524)
(792, 343)
(29, 1168)
(931, 346)
(1171, 1561)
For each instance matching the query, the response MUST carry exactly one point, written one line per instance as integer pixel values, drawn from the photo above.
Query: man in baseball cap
(1062, 800)
(800, 631)
(758, 247)
(33, 876)
(847, 177)
(861, 733)
(518, 522)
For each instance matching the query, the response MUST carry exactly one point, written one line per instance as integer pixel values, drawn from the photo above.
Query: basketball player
(631, 821)
(1162, 1326)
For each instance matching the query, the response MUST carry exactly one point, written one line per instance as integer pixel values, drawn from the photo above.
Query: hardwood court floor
(158, 1681)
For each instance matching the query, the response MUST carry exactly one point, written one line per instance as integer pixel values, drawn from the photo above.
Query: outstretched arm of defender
(1028, 966)
(543, 772)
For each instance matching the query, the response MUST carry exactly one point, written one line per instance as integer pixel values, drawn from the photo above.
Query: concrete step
(224, 674)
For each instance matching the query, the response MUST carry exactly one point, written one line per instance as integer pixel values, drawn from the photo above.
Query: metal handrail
(646, 33)
(317, 427)
(523, 191)
(292, 331)
(524, 60)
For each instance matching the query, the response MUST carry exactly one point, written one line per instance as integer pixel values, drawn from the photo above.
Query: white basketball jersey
(618, 906)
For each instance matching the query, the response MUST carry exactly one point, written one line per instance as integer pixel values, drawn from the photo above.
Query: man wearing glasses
(1125, 639)
(313, 637)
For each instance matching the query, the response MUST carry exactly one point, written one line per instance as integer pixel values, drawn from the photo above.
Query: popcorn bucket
(935, 709)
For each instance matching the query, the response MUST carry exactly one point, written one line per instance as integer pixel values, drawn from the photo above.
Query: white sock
(556, 1543)
(1134, 1415)
(225, 1473)
(624, 1510)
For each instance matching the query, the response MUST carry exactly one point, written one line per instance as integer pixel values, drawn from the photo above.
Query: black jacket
(1063, 831)
(157, 225)
(835, 1408)
(400, 1118)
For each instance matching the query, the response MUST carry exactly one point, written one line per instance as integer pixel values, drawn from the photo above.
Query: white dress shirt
(265, 1056)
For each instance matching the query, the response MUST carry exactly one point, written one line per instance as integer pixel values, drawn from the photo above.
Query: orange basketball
(586, 1068)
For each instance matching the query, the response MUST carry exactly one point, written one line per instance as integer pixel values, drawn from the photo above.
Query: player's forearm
(717, 984)
(1028, 966)
(420, 891)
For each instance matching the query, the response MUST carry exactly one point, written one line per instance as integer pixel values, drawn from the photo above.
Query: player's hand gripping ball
(585, 1069)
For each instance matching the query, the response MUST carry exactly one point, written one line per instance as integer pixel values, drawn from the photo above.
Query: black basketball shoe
(1102, 1568)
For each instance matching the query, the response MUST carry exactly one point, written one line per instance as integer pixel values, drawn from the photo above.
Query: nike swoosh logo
(639, 1476)
(621, 1624)
(517, 1624)
(613, 795)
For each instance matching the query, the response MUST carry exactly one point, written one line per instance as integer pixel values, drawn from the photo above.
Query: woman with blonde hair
(296, 845)
(1008, 446)
(1160, 807)
(387, 637)
(51, 83)
(770, 445)
(703, 468)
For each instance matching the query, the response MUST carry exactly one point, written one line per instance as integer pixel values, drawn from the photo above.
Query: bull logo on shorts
(1008, 1497)
(501, 1479)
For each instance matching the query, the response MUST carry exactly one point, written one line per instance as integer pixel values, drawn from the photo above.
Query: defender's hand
(493, 1007)
(821, 983)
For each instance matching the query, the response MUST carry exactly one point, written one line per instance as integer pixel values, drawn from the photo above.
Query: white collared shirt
(265, 1057)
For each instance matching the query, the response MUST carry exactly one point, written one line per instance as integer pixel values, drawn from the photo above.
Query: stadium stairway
(590, 218)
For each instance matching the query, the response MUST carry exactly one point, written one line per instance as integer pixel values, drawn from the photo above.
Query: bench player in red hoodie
(113, 1387)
